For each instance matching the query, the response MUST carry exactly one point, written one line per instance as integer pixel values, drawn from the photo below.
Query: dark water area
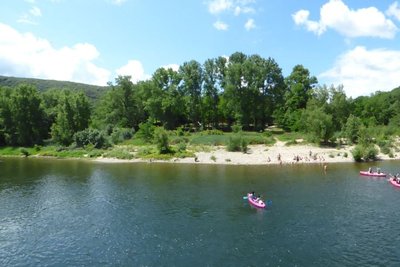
(81, 213)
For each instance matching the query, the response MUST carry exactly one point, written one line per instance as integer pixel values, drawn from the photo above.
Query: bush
(121, 134)
(364, 153)
(91, 137)
(357, 153)
(236, 128)
(234, 143)
(24, 152)
(181, 146)
(146, 131)
(237, 143)
(161, 140)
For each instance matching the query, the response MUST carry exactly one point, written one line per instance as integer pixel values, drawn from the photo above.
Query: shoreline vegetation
(282, 149)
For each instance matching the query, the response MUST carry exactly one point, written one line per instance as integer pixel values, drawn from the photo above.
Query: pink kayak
(375, 174)
(257, 204)
(393, 182)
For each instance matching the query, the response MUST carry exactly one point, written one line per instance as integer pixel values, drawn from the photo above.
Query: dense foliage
(236, 93)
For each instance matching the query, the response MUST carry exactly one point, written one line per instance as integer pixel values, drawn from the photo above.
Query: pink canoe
(257, 204)
(375, 174)
(393, 182)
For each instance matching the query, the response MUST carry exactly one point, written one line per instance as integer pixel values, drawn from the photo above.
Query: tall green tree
(300, 86)
(120, 105)
(73, 115)
(27, 116)
(191, 74)
(214, 72)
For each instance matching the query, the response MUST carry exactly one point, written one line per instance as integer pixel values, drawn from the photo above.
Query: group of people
(378, 170)
(396, 178)
(254, 197)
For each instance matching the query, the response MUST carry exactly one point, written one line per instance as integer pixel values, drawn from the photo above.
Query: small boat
(257, 204)
(375, 174)
(394, 182)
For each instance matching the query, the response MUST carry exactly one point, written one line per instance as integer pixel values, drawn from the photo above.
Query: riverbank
(279, 153)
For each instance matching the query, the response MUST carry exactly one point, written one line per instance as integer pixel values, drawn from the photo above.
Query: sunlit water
(77, 213)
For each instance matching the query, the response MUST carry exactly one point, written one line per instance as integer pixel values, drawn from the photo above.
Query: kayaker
(378, 170)
(370, 170)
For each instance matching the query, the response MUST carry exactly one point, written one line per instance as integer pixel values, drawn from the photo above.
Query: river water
(82, 213)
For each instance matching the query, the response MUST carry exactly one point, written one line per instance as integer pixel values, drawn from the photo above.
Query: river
(83, 213)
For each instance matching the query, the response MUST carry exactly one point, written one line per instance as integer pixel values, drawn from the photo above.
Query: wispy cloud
(364, 22)
(221, 26)
(362, 71)
(250, 24)
(394, 10)
(35, 11)
(221, 8)
(25, 55)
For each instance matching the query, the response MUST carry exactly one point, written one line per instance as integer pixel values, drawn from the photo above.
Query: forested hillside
(246, 92)
(92, 91)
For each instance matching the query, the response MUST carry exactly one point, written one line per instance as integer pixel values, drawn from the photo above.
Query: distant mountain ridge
(92, 91)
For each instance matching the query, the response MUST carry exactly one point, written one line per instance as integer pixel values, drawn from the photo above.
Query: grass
(181, 146)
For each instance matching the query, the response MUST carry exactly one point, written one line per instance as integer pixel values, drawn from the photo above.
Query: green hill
(92, 91)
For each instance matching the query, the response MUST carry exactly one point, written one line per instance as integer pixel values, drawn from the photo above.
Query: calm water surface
(76, 213)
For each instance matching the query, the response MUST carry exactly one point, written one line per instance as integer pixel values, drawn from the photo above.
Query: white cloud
(218, 6)
(363, 71)
(350, 23)
(118, 2)
(250, 24)
(133, 68)
(236, 7)
(221, 26)
(174, 67)
(25, 55)
(394, 10)
(35, 11)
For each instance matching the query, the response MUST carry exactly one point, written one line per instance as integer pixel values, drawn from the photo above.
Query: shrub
(237, 143)
(161, 140)
(24, 152)
(121, 134)
(364, 153)
(91, 136)
(213, 158)
(236, 128)
(234, 143)
(181, 146)
(357, 153)
(146, 131)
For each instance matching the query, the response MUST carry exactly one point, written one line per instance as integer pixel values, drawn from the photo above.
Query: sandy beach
(279, 153)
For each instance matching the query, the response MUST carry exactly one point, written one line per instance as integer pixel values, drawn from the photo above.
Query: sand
(279, 153)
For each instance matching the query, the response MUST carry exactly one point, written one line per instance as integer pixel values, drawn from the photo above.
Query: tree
(317, 123)
(73, 115)
(27, 117)
(191, 74)
(352, 129)
(120, 105)
(300, 85)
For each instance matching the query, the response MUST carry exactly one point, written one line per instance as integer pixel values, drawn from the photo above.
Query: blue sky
(350, 42)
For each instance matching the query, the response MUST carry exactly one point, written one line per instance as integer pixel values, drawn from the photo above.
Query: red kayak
(256, 203)
(393, 182)
(375, 174)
